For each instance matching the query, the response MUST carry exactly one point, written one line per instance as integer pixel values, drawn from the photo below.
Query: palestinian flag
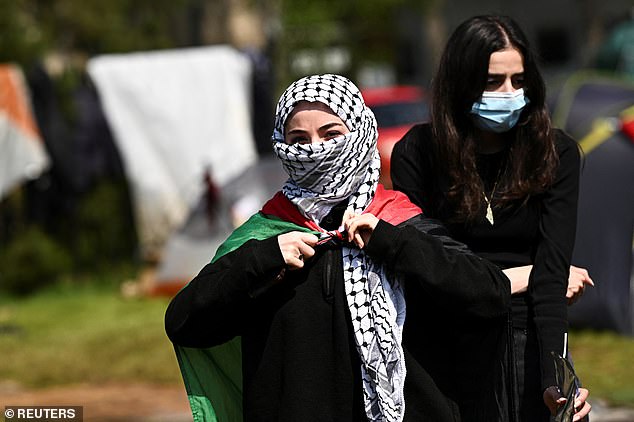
(213, 376)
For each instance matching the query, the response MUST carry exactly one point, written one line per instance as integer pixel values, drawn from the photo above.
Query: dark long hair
(460, 80)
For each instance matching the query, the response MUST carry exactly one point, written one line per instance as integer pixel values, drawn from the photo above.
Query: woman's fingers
(296, 247)
(581, 274)
(583, 412)
(581, 405)
(577, 281)
(360, 228)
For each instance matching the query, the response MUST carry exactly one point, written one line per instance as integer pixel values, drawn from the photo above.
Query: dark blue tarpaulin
(593, 108)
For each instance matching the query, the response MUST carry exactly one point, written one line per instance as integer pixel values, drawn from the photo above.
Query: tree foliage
(368, 29)
(32, 27)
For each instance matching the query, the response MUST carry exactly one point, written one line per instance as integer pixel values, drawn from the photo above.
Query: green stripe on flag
(213, 376)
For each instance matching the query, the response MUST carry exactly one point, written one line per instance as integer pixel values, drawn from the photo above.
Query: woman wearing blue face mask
(494, 170)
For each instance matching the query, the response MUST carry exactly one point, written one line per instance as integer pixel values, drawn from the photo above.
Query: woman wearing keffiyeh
(314, 284)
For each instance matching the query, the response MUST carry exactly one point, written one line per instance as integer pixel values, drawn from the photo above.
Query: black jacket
(299, 357)
(539, 232)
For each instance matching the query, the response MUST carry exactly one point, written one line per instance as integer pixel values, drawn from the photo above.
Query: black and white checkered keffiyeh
(320, 176)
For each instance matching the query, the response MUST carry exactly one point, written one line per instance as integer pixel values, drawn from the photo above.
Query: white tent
(175, 115)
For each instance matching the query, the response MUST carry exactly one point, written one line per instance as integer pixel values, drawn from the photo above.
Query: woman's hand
(295, 247)
(553, 399)
(578, 279)
(577, 282)
(582, 407)
(359, 227)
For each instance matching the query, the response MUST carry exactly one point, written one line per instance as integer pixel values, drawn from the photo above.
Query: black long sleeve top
(540, 232)
(298, 351)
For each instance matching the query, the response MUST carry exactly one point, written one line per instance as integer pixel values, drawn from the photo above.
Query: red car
(397, 108)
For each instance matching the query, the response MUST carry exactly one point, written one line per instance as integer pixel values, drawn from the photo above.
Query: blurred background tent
(617, 52)
(177, 117)
(597, 109)
(22, 153)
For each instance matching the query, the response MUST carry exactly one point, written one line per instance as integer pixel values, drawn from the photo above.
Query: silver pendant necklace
(489, 214)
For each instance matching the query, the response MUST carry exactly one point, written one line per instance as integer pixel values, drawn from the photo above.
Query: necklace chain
(489, 213)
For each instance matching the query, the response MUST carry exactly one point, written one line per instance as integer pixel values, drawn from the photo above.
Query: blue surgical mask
(498, 111)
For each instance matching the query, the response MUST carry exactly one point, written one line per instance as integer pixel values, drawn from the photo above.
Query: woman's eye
(518, 82)
(332, 134)
(492, 83)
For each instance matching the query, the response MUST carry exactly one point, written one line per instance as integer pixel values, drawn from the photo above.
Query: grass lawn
(84, 334)
(90, 334)
(604, 362)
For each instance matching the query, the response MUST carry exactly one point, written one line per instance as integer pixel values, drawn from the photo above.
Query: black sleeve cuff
(269, 264)
(381, 246)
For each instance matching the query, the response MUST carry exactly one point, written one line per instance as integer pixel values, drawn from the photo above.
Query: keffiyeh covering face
(322, 175)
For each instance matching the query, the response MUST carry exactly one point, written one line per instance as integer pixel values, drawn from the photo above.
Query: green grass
(604, 362)
(90, 334)
(84, 334)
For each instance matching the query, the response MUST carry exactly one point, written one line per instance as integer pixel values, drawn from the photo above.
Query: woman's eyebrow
(329, 125)
(321, 128)
(497, 75)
